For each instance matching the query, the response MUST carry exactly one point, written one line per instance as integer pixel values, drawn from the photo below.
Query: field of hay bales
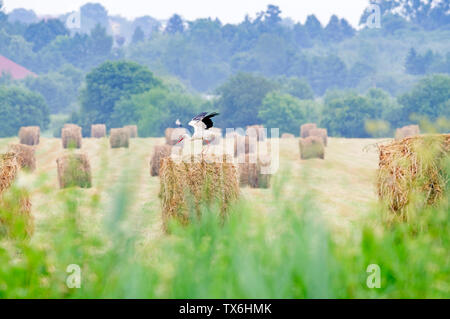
(114, 231)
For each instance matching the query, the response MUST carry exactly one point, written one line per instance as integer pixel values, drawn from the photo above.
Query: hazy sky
(228, 11)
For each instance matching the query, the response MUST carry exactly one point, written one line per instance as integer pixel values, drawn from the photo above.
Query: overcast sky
(228, 11)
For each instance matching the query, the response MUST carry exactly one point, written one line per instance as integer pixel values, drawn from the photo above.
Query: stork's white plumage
(201, 124)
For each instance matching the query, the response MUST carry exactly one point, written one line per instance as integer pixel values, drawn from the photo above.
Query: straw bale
(119, 137)
(186, 186)
(74, 170)
(413, 168)
(29, 135)
(305, 128)
(311, 147)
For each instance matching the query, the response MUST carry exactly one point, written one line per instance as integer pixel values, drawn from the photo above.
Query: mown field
(312, 234)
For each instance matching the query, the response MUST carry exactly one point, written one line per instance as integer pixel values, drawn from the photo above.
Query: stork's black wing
(207, 120)
(200, 116)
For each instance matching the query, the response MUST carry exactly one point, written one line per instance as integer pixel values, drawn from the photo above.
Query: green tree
(296, 87)
(283, 111)
(313, 27)
(107, 84)
(138, 35)
(175, 25)
(21, 107)
(240, 99)
(155, 110)
(44, 32)
(346, 113)
(429, 98)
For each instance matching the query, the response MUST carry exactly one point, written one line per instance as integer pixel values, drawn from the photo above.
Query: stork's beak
(180, 140)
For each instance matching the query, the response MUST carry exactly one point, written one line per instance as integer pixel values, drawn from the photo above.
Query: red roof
(17, 72)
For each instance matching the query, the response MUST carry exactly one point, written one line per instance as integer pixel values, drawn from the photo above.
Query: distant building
(16, 71)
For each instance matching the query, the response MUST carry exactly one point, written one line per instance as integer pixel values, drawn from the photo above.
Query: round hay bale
(256, 130)
(321, 132)
(71, 136)
(119, 137)
(250, 171)
(287, 135)
(98, 130)
(244, 145)
(173, 135)
(305, 128)
(29, 135)
(25, 155)
(8, 170)
(312, 147)
(407, 131)
(132, 130)
(187, 186)
(15, 205)
(413, 168)
(159, 152)
(74, 170)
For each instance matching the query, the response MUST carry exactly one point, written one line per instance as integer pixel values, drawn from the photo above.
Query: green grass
(292, 249)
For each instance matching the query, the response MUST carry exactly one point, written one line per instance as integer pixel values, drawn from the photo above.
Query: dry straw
(29, 135)
(71, 136)
(244, 145)
(321, 132)
(8, 170)
(413, 170)
(132, 130)
(98, 130)
(173, 135)
(287, 135)
(74, 170)
(25, 155)
(407, 131)
(15, 205)
(312, 147)
(305, 128)
(187, 186)
(119, 137)
(256, 130)
(159, 152)
(251, 173)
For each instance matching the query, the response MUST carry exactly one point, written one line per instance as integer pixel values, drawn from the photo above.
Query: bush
(21, 107)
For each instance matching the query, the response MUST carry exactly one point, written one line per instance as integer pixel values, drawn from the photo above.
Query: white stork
(201, 124)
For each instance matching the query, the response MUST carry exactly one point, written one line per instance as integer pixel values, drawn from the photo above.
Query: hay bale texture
(119, 137)
(132, 130)
(173, 135)
(71, 136)
(187, 186)
(305, 128)
(251, 173)
(25, 155)
(413, 168)
(98, 130)
(256, 130)
(407, 131)
(159, 152)
(321, 132)
(74, 170)
(244, 145)
(16, 220)
(312, 147)
(287, 135)
(29, 135)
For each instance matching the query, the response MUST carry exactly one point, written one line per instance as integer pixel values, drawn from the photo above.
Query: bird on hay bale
(201, 124)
